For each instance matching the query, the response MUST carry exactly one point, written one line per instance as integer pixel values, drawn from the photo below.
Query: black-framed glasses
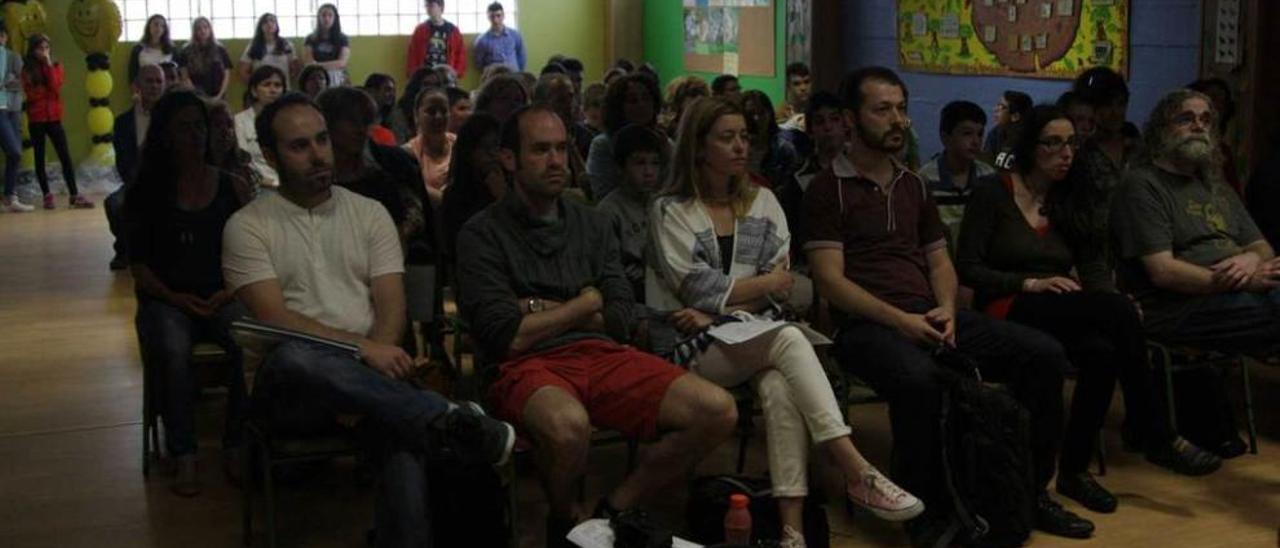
(1056, 144)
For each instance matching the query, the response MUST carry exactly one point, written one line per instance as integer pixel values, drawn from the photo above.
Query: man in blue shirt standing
(500, 45)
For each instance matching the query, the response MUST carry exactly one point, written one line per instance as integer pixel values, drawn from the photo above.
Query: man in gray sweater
(542, 287)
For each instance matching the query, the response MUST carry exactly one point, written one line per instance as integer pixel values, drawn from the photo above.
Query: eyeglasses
(1056, 144)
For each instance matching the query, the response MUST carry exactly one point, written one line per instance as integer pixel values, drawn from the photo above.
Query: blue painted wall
(1164, 37)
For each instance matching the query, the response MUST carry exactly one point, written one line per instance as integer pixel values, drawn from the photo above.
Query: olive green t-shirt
(1200, 222)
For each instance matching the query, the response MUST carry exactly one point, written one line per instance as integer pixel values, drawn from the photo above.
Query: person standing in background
(154, 48)
(500, 45)
(436, 42)
(328, 46)
(42, 82)
(269, 48)
(203, 62)
(11, 123)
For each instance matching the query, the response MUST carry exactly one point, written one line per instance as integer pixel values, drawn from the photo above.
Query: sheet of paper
(596, 533)
(738, 332)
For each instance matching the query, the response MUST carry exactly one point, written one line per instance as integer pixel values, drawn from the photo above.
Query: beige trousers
(799, 407)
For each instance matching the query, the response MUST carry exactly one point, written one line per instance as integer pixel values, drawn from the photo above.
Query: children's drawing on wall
(799, 30)
(1035, 38)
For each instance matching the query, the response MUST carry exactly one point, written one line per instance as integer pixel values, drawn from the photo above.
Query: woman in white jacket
(720, 253)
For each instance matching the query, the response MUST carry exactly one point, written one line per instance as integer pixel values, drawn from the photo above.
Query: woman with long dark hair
(328, 46)
(1017, 249)
(42, 83)
(154, 48)
(204, 62)
(269, 48)
(177, 207)
(740, 277)
(476, 178)
(225, 151)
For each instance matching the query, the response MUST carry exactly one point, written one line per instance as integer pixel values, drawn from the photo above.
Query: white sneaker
(791, 538)
(884, 498)
(13, 205)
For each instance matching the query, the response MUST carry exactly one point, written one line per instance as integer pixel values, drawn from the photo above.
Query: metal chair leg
(268, 492)
(1248, 406)
(1166, 361)
(1102, 455)
(633, 449)
(146, 422)
(246, 489)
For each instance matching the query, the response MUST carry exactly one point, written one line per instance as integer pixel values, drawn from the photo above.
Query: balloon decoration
(95, 26)
(22, 19)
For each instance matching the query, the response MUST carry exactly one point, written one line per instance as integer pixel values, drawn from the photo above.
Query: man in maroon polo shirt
(878, 253)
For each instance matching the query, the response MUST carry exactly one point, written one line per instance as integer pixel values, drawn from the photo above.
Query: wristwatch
(535, 305)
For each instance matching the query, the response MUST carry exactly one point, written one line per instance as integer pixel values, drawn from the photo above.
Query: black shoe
(926, 530)
(1052, 518)
(1231, 448)
(467, 434)
(118, 263)
(1083, 489)
(1184, 457)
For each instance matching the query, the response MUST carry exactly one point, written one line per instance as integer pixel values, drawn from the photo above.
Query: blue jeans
(1230, 322)
(11, 144)
(905, 374)
(303, 386)
(166, 335)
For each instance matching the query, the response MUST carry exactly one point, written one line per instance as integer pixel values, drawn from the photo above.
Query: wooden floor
(70, 393)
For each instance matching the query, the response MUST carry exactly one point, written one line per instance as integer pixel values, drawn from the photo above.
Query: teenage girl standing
(42, 82)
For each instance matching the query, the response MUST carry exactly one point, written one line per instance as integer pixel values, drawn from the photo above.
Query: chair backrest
(421, 292)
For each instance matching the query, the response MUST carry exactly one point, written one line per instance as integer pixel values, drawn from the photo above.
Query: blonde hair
(686, 179)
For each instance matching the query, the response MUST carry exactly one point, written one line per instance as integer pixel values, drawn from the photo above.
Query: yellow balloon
(94, 24)
(98, 83)
(23, 20)
(102, 153)
(100, 120)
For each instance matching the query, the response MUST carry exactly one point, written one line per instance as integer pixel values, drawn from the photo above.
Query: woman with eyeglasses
(1017, 251)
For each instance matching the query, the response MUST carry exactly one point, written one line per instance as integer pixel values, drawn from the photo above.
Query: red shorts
(620, 387)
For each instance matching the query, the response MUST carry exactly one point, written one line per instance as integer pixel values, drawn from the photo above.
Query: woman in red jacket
(42, 82)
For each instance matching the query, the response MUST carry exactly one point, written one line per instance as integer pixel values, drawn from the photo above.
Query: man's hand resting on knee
(388, 359)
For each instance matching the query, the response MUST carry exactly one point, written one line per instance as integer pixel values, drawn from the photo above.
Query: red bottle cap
(738, 500)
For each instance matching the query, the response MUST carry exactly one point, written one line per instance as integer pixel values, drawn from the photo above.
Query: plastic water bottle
(737, 521)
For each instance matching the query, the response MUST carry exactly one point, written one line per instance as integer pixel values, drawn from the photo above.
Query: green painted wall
(572, 27)
(664, 46)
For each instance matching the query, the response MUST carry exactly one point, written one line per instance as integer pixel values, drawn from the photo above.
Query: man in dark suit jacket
(127, 135)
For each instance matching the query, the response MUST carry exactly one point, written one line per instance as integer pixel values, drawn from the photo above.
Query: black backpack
(709, 500)
(986, 456)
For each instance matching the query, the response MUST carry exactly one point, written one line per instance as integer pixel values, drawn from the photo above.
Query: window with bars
(236, 18)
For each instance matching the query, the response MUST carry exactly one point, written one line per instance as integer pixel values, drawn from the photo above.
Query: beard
(1198, 150)
(880, 141)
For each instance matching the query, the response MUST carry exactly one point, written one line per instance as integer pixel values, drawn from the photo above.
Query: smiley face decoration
(95, 26)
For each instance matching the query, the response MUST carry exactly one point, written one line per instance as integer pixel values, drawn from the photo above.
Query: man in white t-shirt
(322, 260)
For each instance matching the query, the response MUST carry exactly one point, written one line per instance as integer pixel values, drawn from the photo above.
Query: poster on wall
(1029, 38)
(799, 30)
(713, 31)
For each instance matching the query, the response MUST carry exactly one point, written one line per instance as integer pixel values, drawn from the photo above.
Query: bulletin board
(1031, 38)
(729, 36)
